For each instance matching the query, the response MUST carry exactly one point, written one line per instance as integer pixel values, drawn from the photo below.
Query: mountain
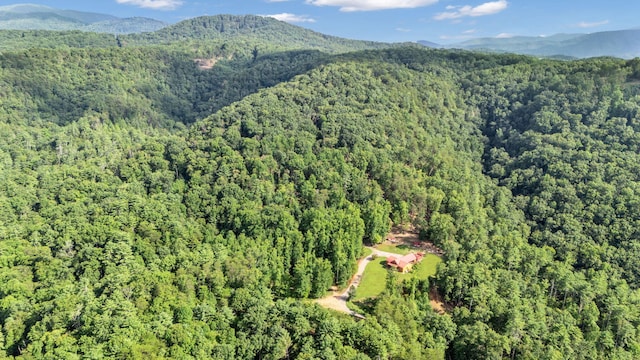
(188, 200)
(429, 44)
(39, 17)
(232, 32)
(153, 209)
(623, 44)
(125, 25)
(72, 15)
(516, 44)
(256, 29)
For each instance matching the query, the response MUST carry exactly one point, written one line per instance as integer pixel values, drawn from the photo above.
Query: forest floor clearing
(399, 242)
(338, 299)
(374, 278)
(405, 241)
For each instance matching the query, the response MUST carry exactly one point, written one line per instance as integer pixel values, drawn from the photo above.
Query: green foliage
(149, 208)
(129, 241)
(372, 283)
(261, 30)
(43, 39)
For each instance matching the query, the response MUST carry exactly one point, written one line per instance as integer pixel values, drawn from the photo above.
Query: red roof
(409, 258)
(391, 261)
(403, 261)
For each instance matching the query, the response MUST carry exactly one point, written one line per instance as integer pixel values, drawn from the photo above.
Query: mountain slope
(623, 44)
(248, 34)
(125, 25)
(516, 44)
(39, 17)
(269, 198)
(12, 40)
(256, 29)
(152, 207)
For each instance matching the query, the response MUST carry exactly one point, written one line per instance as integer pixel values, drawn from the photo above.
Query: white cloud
(455, 37)
(488, 8)
(292, 18)
(369, 5)
(504, 36)
(585, 24)
(153, 4)
(403, 29)
(470, 31)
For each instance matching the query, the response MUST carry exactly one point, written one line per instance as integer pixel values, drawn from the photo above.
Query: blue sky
(441, 21)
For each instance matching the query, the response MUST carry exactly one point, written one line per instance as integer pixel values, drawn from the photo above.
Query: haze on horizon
(439, 21)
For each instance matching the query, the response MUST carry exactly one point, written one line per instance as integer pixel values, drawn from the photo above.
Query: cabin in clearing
(404, 263)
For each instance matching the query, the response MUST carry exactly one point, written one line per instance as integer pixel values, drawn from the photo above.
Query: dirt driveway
(338, 301)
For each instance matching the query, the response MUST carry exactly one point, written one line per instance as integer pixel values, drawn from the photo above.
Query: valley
(153, 206)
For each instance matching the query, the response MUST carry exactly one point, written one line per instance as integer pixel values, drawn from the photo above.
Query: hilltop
(254, 29)
(232, 32)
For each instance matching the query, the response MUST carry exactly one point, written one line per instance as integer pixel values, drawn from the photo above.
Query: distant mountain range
(39, 17)
(623, 44)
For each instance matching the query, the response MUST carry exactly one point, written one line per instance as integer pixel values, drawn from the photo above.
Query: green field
(375, 275)
(373, 280)
(427, 267)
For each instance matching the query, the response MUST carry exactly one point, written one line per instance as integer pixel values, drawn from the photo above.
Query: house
(404, 263)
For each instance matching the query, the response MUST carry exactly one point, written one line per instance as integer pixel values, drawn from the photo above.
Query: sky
(439, 21)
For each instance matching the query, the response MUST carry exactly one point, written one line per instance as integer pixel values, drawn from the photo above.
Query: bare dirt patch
(205, 64)
(437, 302)
(409, 237)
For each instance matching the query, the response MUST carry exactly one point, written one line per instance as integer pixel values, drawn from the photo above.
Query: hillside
(516, 44)
(234, 33)
(159, 87)
(39, 17)
(11, 40)
(623, 44)
(151, 207)
(27, 10)
(252, 29)
(255, 196)
(125, 26)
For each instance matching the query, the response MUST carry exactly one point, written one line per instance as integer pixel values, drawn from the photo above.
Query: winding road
(338, 301)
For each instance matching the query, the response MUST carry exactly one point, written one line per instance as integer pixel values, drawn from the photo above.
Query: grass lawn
(427, 267)
(373, 280)
(365, 252)
(375, 275)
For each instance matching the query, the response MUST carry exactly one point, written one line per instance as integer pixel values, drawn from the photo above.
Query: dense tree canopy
(153, 208)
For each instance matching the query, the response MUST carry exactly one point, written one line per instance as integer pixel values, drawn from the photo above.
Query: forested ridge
(151, 208)
(249, 30)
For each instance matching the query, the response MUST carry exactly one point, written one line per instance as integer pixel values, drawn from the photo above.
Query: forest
(151, 208)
